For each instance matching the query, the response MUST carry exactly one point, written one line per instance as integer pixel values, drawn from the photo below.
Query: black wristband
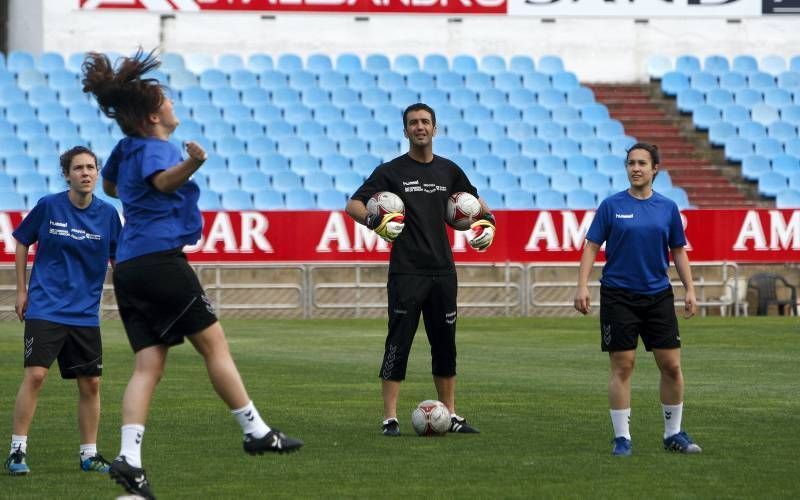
(488, 216)
(372, 221)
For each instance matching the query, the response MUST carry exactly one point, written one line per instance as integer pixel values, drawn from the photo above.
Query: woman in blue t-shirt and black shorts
(640, 227)
(76, 235)
(160, 299)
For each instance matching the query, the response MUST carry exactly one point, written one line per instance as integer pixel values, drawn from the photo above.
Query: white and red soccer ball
(462, 210)
(430, 418)
(385, 202)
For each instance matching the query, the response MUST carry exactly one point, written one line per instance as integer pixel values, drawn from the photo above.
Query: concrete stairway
(685, 153)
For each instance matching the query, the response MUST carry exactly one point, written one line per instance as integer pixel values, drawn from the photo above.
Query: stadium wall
(612, 47)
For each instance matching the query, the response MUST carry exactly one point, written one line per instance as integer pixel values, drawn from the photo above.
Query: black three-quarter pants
(435, 298)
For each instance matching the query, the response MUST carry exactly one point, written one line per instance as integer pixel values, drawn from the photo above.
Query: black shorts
(160, 299)
(435, 298)
(624, 316)
(78, 349)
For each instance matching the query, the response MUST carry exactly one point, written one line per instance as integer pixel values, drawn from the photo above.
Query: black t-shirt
(423, 246)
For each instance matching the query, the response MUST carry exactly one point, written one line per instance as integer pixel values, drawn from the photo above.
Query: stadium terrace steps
(689, 166)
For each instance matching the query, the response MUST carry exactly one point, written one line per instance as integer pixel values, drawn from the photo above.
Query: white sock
(673, 414)
(131, 447)
(88, 451)
(18, 443)
(251, 421)
(621, 420)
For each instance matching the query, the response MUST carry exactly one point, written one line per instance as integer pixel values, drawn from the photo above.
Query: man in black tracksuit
(422, 275)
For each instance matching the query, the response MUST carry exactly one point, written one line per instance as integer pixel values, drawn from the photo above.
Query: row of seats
(750, 109)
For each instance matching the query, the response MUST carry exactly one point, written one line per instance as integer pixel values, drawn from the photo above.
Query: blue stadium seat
(789, 80)
(596, 182)
(751, 130)
(237, 199)
(534, 182)
(477, 113)
(494, 199)
(70, 96)
(218, 130)
(344, 97)
(565, 114)
(705, 116)
(550, 199)
(31, 181)
(767, 146)
(564, 147)
(391, 116)
(254, 181)
(478, 81)
(687, 64)
(327, 114)
(42, 96)
(519, 199)
(520, 131)
(754, 165)
(703, 81)
(550, 64)
(447, 146)
(247, 129)
(286, 180)
(521, 64)
(505, 148)
(794, 182)
(673, 82)
(446, 113)
(536, 82)
(279, 129)
(331, 199)
(374, 97)
(348, 63)
(464, 64)
(720, 132)
(579, 164)
(550, 165)
(348, 182)
(310, 130)
(391, 81)
(96, 128)
(492, 131)
(368, 130)
(289, 62)
(405, 64)
(242, 163)
(507, 81)
(688, 100)
(319, 63)
(736, 149)
(317, 181)
(679, 196)
(777, 98)
(334, 164)
(322, 146)
(460, 130)
(331, 80)
(299, 199)
(436, 98)
(663, 181)
(466, 163)
(769, 183)
(475, 147)
(594, 147)
(490, 165)
(610, 164)
(732, 81)
(492, 64)
(463, 97)
(377, 63)
(764, 114)
(30, 78)
(565, 81)
(564, 181)
(719, 98)
(365, 163)
(268, 199)
(581, 199)
(735, 114)
(229, 146)
(12, 201)
(716, 64)
(297, 113)
(223, 181)
(230, 63)
(760, 81)
(213, 79)
(19, 164)
(522, 98)
(784, 164)
(214, 164)
(292, 146)
(595, 113)
(491, 98)
(197, 62)
(782, 131)
(580, 96)
(272, 163)
(549, 131)
(788, 198)
(354, 147)
(302, 80)
(535, 147)
(748, 97)
(272, 80)
(552, 98)
(447, 80)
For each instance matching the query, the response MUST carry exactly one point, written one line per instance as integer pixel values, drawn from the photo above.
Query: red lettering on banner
(761, 235)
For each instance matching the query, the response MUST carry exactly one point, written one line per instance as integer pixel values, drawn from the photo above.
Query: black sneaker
(459, 424)
(133, 479)
(274, 440)
(391, 427)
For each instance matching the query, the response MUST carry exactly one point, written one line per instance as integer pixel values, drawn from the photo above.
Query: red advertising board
(343, 6)
(523, 236)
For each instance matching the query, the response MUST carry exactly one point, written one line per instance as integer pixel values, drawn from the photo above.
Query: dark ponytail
(122, 93)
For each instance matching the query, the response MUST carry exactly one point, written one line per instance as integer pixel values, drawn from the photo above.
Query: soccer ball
(430, 418)
(462, 210)
(385, 202)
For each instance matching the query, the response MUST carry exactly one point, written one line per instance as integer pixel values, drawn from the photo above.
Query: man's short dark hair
(420, 106)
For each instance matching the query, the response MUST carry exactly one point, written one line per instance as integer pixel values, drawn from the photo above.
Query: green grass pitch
(536, 388)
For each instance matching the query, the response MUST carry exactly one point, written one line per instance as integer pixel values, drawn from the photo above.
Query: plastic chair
(377, 63)
(732, 81)
(788, 198)
(299, 199)
(550, 199)
(521, 64)
(550, 64)
(744, 64)
(773, 289)
(331, 199)
(673, 82)
(268, 199)
(406, 64)
(348, 63)
(319, 63)
(464, 64)
(237, 199)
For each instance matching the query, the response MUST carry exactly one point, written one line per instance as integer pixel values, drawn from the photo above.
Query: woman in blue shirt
(160, 299)
(640, 228)
(77, 235)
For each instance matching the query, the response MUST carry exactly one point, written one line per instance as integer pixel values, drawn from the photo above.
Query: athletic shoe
(681, 443)
(459, 424)
(15, 464)
(622, 447)
(391, 427)
(133, 479)
(95, 464)
(274, 440)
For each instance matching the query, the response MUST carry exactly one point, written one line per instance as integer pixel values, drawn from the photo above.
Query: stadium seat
(376, 63)
(272, 163)
(550, 165)
(348, 182)
(788, 198)
(299, 199)
(268, 199)
(354, 147)
(519, 199)
(720, 132)
(784, 164)
(319, 63)
(744, 64)
(702, 81)
(12, 201)
(348, 63)
(705, 116)
(406, 64)
(331, 199)
(754, 165)
(242, 163)
(550, 64)
(760, 81)
(769, 183)
(716, 64)
(550, 199)
(446, 80)
(230, 63)
(764, 114)
(719, 98)
(334, 164)
(494, 199)
(781, 130)
(464, 64)
(536, 82)
(679, 196)
(492, 98)
(736, 149)
(492, 64)
(521, 64)
(317, 181)
(581, 199)
(673, 82)
(254, 181)
(237, 199)
(732, 81)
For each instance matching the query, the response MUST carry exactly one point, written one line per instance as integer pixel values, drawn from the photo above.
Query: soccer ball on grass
(430, 418)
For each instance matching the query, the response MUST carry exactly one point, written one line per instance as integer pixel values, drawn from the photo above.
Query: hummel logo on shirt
(623, 216)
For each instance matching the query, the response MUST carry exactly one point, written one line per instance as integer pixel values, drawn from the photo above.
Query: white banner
(635, 8)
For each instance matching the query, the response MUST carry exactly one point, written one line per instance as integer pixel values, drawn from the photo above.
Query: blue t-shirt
(154, 221)
(71, 259)
(638, 235)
